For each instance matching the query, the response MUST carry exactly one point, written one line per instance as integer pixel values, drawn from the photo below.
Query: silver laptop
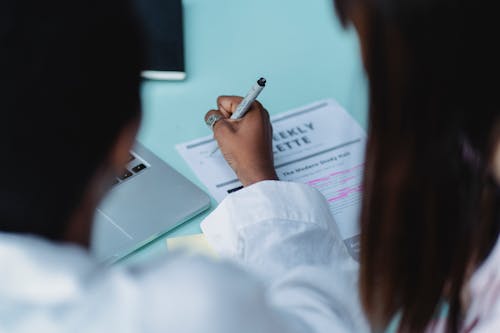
(147, 200)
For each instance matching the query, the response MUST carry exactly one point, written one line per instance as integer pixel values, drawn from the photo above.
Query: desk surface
(299, 46)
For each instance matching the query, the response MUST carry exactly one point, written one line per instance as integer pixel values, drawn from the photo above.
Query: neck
(80, 226)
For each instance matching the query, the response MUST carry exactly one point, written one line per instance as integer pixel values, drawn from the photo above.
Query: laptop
(147, 200)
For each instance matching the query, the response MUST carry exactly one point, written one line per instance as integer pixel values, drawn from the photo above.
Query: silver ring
(212, 119)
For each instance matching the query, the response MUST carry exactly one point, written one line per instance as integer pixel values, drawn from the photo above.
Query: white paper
(319, 144)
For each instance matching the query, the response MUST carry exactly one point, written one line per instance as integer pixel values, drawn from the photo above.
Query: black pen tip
(262, 82)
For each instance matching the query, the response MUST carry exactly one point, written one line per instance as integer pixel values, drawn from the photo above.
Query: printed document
(320, 145)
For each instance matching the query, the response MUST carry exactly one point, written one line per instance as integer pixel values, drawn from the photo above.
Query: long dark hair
(430, 212)
(69, 83)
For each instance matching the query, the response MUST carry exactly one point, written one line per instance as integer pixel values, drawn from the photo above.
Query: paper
(319, 144)
(195, 244)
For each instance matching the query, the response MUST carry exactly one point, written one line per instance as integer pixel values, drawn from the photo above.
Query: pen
(247, 102)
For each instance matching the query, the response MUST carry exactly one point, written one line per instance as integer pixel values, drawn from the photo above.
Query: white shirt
(483, 313)
(285, 270)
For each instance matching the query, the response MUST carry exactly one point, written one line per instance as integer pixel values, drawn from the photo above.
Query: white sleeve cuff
(264, 201)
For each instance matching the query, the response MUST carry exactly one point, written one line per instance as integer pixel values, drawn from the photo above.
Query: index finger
(228, 104)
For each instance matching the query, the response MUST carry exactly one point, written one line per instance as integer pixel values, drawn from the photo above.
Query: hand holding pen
(246, 143)
(243, 106)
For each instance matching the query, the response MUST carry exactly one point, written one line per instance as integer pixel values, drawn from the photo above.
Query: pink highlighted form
(344, 193)
(340, 184)
(336, 175)
(315, 181)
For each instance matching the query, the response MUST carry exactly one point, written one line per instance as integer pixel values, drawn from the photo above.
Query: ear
(496, 162)
(120, 151)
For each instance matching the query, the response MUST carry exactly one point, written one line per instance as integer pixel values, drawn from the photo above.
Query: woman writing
(430, 208)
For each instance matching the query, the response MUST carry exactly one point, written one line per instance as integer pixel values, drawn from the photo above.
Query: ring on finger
(212, 119)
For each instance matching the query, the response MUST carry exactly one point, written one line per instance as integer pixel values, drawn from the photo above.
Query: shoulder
(194, 274)
(59, 287)
(220, 295)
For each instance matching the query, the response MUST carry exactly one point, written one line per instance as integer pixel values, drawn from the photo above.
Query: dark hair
(430, 212)
(69, 83)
